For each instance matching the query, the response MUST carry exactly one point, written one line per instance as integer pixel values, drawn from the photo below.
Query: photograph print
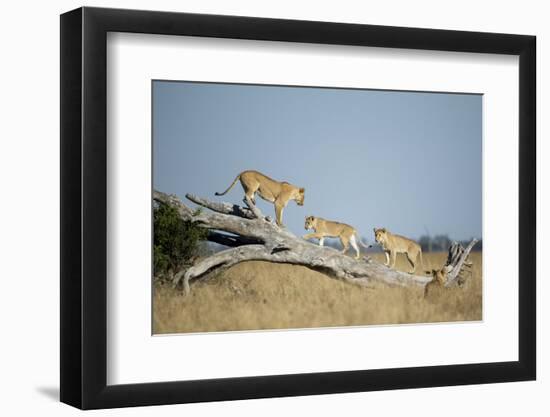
(295, 207)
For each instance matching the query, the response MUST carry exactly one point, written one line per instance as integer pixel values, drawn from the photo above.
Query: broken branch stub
(456, 260)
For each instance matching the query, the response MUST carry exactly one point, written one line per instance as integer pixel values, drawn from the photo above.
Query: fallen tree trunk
(251, 236)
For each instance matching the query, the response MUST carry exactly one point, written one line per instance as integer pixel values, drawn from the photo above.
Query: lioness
(394, 244)
(326, 228)
(270, 190)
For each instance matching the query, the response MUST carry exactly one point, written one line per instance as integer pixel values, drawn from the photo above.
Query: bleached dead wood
(457, 259)
(251, 236)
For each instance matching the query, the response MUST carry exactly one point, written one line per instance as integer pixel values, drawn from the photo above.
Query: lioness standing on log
(279, 193)
(394, 244)
(326, 228)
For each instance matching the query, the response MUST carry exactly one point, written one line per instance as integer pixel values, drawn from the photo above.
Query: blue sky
(408, 161)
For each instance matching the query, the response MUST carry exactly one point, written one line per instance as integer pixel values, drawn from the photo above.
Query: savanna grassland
(261, 295)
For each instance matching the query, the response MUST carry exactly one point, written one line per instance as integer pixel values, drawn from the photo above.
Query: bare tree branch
(224, 208)
(456, 260)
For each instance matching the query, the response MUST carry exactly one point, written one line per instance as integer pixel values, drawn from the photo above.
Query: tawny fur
(439, 280)
(326, 228)
(278, 193)
(394, 244)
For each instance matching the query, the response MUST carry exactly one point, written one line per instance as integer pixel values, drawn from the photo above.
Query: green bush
(175, 241)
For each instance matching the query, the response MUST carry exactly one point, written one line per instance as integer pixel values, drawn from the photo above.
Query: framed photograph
(259, 208)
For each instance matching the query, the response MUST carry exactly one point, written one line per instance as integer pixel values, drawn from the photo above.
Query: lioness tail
(361, 242)
(231, 186)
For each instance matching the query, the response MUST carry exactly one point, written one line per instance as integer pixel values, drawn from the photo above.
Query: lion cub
(439, 280)
(394, 244)
(326, 228)
(279, 193)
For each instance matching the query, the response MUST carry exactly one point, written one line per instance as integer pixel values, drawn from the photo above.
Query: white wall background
(29, 214)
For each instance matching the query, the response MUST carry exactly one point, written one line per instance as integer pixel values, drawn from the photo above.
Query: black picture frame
(84, 207)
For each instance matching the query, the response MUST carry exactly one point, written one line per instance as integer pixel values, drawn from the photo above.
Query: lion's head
(440, 276)
(310, 222)
(380, 235)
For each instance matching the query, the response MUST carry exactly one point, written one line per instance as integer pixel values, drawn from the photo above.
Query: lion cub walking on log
(394, 244)
(279, 193)
(326, 228)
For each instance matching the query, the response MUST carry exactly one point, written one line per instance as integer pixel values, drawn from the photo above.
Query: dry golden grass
(261, 295)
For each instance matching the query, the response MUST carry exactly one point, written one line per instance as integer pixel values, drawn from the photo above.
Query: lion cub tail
(231, 186)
